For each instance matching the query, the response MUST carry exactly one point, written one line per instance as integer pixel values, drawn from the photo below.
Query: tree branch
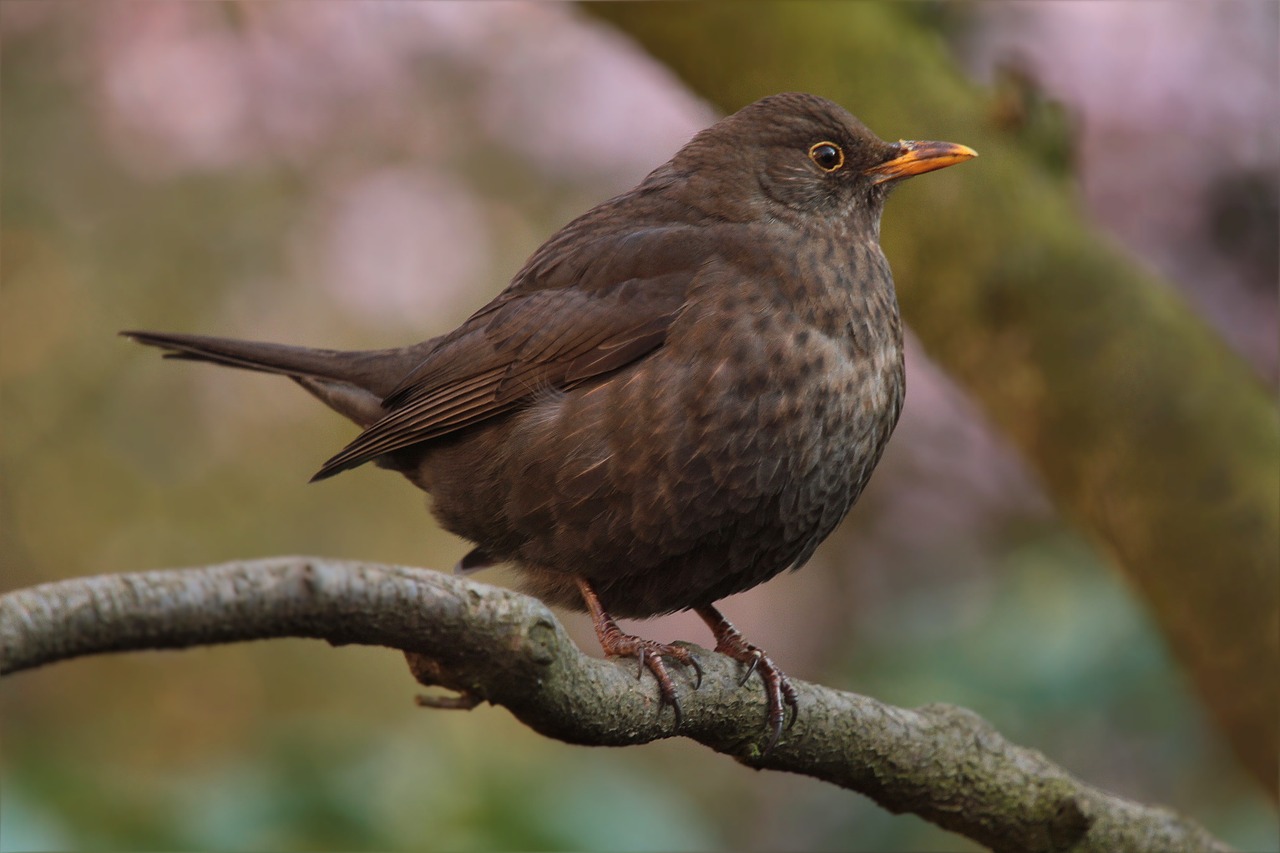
(940, 762)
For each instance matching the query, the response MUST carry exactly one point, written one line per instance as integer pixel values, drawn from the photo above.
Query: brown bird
(679, 396)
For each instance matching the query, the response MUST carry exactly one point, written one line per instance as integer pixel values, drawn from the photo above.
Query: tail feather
(250, 355)
(351, 383)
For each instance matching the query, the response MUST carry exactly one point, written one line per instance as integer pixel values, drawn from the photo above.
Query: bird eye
(827, 155)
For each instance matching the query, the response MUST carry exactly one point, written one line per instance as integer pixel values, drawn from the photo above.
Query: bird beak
(916, 158)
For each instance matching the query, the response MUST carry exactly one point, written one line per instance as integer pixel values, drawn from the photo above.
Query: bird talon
(775, 734)
(697, 669)
(648, 653)
(651, 659)
(756, 655)
(781, 698)
(792, 701)
(665, 698)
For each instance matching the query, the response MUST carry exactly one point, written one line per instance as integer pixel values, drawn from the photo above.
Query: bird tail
(250, 355)
(351, 383)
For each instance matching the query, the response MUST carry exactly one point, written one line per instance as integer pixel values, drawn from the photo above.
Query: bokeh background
(363, 174)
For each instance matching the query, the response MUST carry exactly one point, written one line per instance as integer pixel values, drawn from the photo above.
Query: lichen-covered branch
(942, 763)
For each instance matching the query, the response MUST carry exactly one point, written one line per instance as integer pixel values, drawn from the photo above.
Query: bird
(676, 398)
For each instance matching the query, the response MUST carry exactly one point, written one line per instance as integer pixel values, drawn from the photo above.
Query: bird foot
(781, 696)
(649, 653)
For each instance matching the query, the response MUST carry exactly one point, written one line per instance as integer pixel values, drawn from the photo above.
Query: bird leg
(649, 652)
(777, 687)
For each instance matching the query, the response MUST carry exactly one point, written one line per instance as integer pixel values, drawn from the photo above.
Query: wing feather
(558, 325)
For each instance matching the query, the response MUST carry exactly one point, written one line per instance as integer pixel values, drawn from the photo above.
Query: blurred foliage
(112, 461)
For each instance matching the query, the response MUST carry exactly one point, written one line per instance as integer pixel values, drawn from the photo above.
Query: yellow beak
(916, 158)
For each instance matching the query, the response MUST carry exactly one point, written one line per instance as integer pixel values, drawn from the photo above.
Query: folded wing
(568, 317)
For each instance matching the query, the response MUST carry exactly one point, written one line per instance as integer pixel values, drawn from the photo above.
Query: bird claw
(697, 669)
(751, 667)
(649, 655)
(781, 697)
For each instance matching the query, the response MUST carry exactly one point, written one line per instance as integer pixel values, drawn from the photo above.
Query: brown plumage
(680, 394)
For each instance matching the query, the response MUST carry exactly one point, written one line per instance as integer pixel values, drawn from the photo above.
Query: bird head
(794, 157)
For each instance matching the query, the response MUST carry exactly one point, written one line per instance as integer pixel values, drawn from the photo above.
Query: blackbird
(678, 396)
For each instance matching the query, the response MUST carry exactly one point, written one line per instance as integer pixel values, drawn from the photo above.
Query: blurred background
(365, 174)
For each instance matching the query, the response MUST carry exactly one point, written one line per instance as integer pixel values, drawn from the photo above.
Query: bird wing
(567, 317)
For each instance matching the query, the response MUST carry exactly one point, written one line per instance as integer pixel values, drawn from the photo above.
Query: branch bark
(940, 762)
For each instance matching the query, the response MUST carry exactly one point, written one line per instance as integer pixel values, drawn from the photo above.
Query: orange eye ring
(827, 155)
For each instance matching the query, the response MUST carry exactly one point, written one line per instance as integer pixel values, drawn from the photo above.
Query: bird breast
(720, 459)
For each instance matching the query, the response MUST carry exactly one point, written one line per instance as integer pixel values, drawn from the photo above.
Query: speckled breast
(726, 456)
